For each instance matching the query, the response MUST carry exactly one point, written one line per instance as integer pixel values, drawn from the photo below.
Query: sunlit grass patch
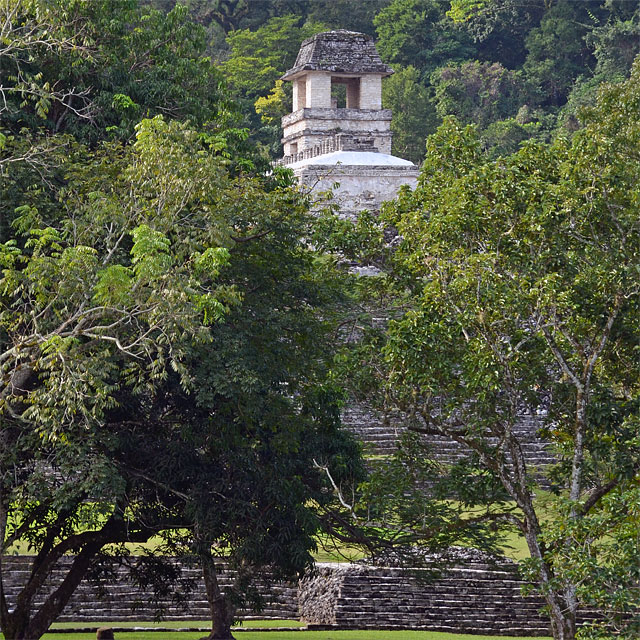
(284, 635)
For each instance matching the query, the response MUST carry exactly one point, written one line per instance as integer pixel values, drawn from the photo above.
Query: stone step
(477, 596)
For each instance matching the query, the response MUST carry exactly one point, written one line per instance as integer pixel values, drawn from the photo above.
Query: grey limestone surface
(339, 51)
(475, 594)
(117, 599)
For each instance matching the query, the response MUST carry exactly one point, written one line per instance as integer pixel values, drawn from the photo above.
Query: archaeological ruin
(346, 148)
(326, 141)
(338, 132)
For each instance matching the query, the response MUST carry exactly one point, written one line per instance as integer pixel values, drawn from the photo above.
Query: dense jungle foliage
(519, 69)
(169, 361)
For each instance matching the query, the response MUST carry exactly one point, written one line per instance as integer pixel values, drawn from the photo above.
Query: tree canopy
(94, 69)
(554, 54)
(164, 322)
(518, 295)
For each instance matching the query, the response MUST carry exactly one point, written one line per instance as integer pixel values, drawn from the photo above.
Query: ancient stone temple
(327, 142)
(343, 136)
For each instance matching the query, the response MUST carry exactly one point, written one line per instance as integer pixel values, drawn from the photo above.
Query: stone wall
(361, 186)
(476, 594)
(318, 92)
(380, 433)
(117, 600)
(311, 127)
(370, 92)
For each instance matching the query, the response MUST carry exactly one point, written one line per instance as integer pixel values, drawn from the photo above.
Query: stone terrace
(380, 436)
(478, 594)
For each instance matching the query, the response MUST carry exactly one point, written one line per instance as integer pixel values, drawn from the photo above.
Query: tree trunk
(562, 605)
(563, 626)
(222, 611)
(21, 625)
(562, 608)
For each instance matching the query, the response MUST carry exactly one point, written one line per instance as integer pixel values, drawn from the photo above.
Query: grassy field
(244, 631)
(515, 548)
(282, 635)
(180, 624)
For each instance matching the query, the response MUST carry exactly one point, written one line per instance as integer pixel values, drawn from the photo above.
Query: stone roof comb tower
(325, 141)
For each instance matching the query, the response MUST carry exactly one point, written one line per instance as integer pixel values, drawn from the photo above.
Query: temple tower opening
(324, 62)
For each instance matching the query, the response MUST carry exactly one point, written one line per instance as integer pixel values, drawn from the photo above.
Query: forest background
(517, 69)
(158, 286)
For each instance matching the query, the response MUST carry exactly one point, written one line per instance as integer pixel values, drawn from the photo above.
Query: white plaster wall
(360, 187)
(318, 90)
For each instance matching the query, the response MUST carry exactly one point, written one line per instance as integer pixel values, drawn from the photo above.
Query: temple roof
(339, 52)
(354, 158)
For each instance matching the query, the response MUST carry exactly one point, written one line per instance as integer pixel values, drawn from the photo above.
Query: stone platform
(476, 594)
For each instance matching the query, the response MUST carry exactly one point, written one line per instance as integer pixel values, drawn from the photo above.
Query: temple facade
(326, 142)
(338, 131)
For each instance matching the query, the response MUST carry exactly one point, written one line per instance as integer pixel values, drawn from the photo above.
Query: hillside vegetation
(172, 367)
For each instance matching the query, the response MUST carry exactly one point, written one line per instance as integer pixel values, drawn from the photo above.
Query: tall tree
(521, 280)
(414, 116)
(31, 32)
(257, 60)
(96, 297)
(94, 69)
(127, 408)
(418, 33)
(557, 50)
(347, 14)
(499, 28)
(119, 262)
(478, 92)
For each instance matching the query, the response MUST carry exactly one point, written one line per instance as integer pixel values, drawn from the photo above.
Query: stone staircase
(476, 597)
(380, 436)
(475, 594)
(118, 600)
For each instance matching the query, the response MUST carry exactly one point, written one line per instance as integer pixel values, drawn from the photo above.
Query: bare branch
(559, 356)
(337, 490)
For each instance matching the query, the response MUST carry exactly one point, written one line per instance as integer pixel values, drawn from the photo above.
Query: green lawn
(515, 547)
(179, 624)
(88, 632)
(284, 635)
